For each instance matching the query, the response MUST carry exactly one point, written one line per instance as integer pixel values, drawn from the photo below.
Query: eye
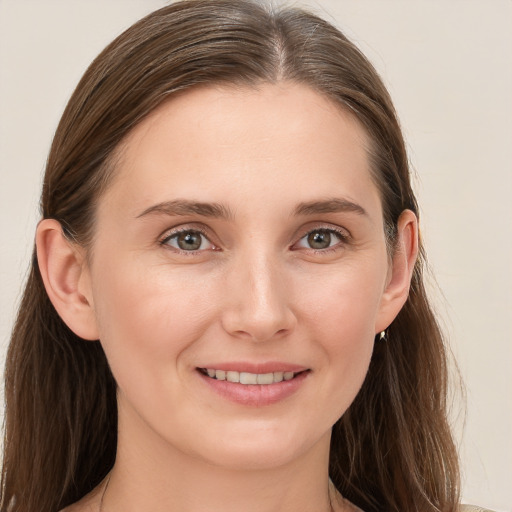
(189, 240)
(321, 239)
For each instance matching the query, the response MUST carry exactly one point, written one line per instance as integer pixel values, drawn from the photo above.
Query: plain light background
(448, 66)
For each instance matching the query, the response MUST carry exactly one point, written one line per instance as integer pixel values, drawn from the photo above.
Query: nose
(258, 305)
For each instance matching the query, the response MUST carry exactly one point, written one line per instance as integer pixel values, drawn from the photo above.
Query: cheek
(341, 321)
(147, 317)
(343, 302)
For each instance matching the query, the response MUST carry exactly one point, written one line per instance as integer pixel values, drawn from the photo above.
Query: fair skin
(242, 231)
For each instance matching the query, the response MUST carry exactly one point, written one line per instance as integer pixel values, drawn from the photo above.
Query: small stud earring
(383, 335)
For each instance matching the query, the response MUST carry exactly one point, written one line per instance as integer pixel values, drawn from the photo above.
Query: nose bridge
(260, 307)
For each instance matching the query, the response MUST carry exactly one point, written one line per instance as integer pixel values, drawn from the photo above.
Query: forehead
(220, 141)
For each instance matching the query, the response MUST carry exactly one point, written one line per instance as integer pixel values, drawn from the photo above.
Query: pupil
(189, 241)
(319, 239)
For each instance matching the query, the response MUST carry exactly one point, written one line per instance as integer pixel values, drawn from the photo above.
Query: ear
(401, 270)
(66, 278)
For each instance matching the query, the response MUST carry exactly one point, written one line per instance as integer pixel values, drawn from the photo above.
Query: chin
(260, 449)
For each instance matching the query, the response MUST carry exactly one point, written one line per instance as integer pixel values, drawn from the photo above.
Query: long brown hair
(392, 450)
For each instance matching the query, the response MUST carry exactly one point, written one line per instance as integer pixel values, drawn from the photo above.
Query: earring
(383, 336)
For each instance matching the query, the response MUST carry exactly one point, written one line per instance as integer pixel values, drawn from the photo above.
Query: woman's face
(242, 233)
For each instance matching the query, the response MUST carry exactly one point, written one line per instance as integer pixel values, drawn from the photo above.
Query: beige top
(473, 508)
(462, 508)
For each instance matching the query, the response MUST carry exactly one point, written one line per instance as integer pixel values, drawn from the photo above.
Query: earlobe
(401, 270)
(66, 279)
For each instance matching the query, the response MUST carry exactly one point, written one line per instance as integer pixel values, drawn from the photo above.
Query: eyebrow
(331, 205)
(183, 207)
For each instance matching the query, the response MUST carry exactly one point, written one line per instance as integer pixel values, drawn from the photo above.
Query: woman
(226, 306)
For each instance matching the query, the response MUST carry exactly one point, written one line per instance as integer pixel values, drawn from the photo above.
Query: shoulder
(89, 503)
(79, 507)
(472, 508)
(82, 506)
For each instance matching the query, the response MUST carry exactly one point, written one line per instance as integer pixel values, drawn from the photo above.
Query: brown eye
(320, 239)
(188, 241)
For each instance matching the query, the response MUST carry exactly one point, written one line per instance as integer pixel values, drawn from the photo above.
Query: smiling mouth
(247, 378)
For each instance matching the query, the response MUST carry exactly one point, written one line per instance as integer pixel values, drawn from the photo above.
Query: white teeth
(233, 376)
(265, 378)
(249, 378)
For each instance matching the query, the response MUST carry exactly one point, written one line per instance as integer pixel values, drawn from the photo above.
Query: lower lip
(256, 395)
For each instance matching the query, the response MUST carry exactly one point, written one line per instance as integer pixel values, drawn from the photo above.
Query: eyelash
(342, 236)
(343, 239)
(174, 234)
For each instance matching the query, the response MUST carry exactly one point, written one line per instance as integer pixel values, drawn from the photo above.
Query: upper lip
(258, 368)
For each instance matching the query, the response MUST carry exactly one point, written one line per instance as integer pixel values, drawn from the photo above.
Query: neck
(152, 475)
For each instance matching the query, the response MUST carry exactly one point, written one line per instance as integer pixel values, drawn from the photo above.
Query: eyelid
(170, 233)
(342, 233)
